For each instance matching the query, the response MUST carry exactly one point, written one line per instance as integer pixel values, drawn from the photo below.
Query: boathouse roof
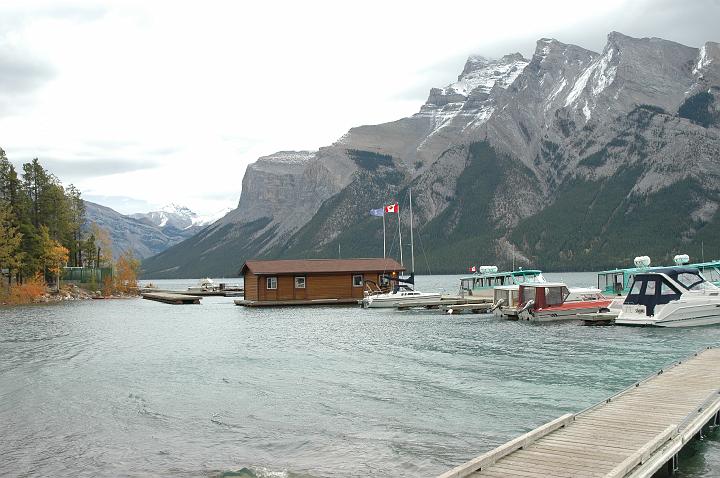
(320, 266)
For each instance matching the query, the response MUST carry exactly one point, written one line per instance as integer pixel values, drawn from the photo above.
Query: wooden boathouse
(312, 281)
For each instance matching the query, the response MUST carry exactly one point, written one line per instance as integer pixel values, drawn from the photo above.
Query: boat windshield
(711, 273)
(693, 281)
(531, 277)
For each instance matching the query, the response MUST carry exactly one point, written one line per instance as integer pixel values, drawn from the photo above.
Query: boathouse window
(300, 282)
(271, 283)
(357, 280)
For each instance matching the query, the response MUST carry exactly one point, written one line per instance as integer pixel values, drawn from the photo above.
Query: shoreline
(68, 293)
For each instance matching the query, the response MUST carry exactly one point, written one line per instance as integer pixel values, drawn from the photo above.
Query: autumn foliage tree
(127, 268)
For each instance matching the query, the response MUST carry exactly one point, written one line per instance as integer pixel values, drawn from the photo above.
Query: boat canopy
(518, 273)
(544, 295)
(655, 288)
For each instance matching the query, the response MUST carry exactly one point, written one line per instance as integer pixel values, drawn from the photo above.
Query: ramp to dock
(632, 434)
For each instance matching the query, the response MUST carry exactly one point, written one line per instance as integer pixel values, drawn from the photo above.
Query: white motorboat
(402, 293)
(205, 285)
(400, 297)
(671, 297)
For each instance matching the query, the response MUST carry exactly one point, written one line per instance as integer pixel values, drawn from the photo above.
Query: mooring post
(672, 465)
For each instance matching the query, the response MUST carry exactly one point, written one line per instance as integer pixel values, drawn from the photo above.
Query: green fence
(86, 274)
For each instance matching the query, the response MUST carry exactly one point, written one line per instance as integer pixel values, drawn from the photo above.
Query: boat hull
(393, 302)
(675, 315)
(566, 311)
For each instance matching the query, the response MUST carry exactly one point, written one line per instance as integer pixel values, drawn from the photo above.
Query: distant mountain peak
(174, 208)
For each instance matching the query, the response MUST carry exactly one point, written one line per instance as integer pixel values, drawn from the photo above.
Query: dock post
(673, 465)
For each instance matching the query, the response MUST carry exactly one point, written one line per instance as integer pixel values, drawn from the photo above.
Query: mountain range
(568, 160)
(147, 234)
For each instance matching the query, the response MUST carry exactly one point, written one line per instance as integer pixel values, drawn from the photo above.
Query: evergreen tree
(10, 239)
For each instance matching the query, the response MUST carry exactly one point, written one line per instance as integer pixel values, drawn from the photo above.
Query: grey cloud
(69, 170)
(14, 17)
(438, 74)
(20, 73)
(122, 204)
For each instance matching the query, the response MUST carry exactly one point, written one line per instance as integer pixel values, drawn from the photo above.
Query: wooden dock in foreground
(634, 433)
(168, 298)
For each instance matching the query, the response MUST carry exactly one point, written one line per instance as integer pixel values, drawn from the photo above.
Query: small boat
(205, 285)
(482, 283)
(671, 297)
(506, 299)
(554, 301)
(399, 297)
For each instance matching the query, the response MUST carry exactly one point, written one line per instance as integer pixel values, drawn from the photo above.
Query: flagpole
(384, 255)
(412, 242)
(400, 234)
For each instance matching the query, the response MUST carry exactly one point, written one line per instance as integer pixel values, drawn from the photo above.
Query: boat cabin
(508, 294)
(663, 285)
(317, 281)
(488, 277)
(618, 281)
(543, 295)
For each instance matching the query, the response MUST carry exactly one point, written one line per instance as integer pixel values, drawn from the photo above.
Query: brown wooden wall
(317, 286)
(251, 286)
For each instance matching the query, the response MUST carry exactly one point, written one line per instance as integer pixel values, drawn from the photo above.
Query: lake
(136, 388)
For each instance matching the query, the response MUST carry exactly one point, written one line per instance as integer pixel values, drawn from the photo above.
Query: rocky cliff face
(498, 159)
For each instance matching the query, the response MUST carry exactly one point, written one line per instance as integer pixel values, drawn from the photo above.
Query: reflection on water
(133, 387)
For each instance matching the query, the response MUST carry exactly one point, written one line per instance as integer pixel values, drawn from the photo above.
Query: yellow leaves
(25, 293)
(56, 258)
(126, 272)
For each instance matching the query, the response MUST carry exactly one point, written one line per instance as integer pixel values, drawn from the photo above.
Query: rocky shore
(73, 292)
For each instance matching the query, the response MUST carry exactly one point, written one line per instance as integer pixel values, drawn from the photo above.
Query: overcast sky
(144, 103)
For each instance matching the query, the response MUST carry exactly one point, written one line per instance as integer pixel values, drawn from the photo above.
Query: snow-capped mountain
(178, 217)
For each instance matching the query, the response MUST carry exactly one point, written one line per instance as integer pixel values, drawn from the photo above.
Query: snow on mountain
(179, 217)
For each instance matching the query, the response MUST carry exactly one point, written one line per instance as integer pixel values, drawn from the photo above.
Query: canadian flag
(392, 208)
(473, 269)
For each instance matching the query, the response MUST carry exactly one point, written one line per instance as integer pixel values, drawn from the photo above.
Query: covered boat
(671, 297)
(552, 301)
(482, 283)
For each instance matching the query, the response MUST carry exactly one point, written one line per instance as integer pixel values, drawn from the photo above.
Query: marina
(633, 433)
(373, 392)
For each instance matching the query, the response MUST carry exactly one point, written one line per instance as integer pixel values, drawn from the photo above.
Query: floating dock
(169, 298)
(203, 293)
(633, 434)
(479, 303)
(283, 303)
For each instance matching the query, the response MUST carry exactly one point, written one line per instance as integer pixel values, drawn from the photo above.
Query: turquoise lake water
(137, 388)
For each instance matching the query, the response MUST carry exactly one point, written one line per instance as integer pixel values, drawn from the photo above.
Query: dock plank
(631, 434)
